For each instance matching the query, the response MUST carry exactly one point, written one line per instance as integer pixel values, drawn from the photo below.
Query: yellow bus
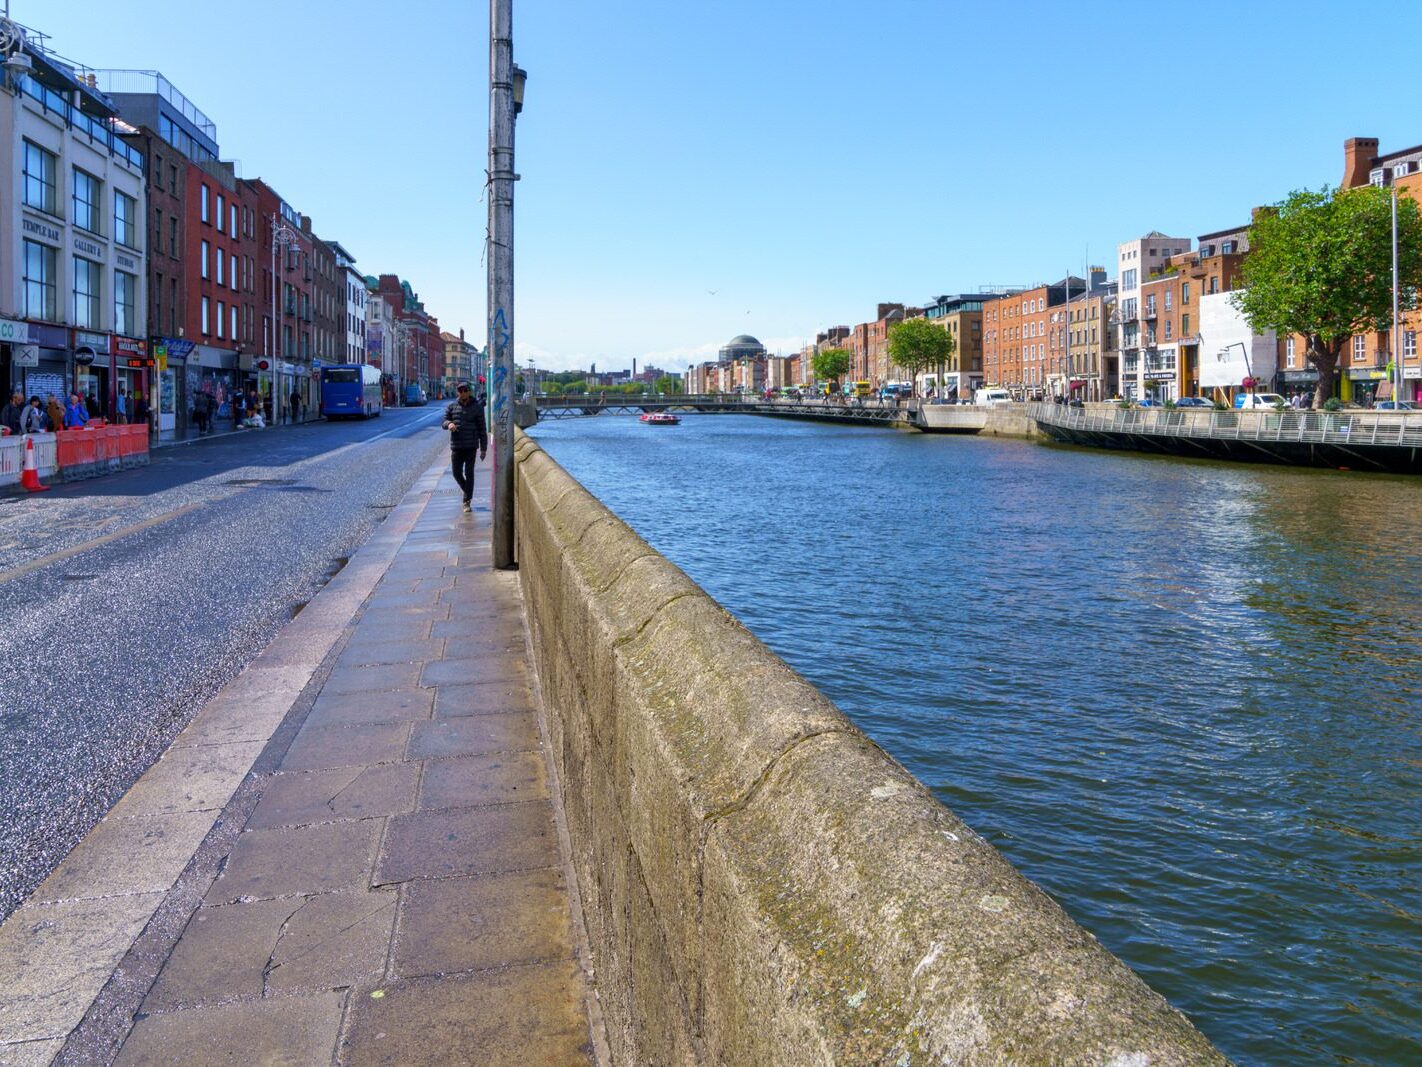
(860, 388)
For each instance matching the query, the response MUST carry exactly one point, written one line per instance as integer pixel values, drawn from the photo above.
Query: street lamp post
(505, 100)
(284, 236)
(1396, 326)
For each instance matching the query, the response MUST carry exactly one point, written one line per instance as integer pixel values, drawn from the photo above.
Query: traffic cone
(30, 478)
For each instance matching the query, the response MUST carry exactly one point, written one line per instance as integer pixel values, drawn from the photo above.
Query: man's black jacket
(468, 429)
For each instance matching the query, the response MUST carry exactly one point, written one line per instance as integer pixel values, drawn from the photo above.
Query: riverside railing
(1288, 426)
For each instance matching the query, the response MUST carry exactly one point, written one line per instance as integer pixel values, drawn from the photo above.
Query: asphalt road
(127, 601)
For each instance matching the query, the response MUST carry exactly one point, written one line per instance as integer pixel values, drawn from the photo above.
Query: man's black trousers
(462, 460)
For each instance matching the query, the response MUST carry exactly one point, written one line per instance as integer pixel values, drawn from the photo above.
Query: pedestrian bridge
(838, 409)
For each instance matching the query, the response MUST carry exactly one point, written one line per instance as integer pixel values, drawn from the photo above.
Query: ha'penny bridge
(856, 409)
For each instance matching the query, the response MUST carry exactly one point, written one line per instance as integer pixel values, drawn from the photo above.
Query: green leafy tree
(667, 384)
(917, 344)
(830, 364)
(1320, 265)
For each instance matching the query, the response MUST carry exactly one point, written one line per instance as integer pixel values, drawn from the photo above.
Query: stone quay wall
(760, 882)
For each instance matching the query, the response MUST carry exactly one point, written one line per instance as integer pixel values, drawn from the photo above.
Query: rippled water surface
(1184, 698)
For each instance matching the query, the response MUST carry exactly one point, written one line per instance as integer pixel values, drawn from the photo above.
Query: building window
(221, 212)
(232, 265)
(221, 269)
(40, 291)
(1184, 293)
(173, 308)
(173, 178)
(206, 207)
(86, 293)
(125, 218)
(40, 167)
(221, 317)
(232, 219)
(234, 322)
(206, 314)
(1184, 325)
(1169, 296)
(1168, 326)
(173, 236)
(1214, 284)
(203, 266)
(1128, 278)
(87, 192)
(158, 302)
(125, 293)
(1360, 349)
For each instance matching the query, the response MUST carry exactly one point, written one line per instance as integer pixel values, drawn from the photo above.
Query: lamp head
(520, 78)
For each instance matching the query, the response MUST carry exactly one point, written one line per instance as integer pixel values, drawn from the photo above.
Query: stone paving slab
(392, 889)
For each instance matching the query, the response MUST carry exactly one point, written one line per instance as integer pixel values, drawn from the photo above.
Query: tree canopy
(1320, 265)
(917, 344)
(831, 364)
(667, 384)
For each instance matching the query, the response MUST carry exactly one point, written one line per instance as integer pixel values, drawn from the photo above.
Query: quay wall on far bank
(760, 882)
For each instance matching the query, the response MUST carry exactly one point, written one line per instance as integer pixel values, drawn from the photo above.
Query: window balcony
(1149, 312)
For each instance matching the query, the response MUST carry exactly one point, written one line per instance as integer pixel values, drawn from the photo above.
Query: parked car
(1248, 401)
(986, 398)
(1193, 402)
(1398, 405)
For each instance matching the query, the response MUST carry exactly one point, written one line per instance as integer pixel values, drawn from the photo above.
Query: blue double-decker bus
(350, 391)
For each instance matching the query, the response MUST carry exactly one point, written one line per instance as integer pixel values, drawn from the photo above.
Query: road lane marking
(75, 550)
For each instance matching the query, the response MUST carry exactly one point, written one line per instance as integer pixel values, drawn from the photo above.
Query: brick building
(1364, 376)
(1016, 329)
(1092, 360)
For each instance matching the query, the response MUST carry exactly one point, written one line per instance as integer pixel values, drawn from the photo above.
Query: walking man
(464, 420)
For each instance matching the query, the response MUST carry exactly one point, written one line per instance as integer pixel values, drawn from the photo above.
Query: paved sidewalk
(397, 892)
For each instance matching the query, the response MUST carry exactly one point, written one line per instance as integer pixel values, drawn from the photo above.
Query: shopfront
(133, 370)
(41, 366)
(1298, 383)
(212, 371)
(93, 371)
(1360, 386)
(170, 358)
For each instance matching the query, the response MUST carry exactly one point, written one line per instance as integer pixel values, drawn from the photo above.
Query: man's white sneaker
(467, 508)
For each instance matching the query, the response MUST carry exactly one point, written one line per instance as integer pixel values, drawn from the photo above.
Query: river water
(1183, 697)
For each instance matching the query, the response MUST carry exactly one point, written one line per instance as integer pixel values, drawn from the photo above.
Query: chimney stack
(1358, 156)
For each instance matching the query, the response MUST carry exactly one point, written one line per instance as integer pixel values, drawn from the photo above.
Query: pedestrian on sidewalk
(239, 409)
(202, 412)
(55, 410)
(11, 412)
(140, 410)
(76, 415)
(295, 407)
(121, 408)
(34, 420)
(464, 420)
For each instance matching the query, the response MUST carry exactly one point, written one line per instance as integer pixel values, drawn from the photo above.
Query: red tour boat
(660, 418)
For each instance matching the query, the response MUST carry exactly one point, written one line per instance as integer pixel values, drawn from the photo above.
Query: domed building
(742, 346)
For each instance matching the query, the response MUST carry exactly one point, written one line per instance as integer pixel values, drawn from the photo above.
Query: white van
(1258, 400)
(986, 398)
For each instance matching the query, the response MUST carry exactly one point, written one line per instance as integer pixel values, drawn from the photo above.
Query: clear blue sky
(694, 171)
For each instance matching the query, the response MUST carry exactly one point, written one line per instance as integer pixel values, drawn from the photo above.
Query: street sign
(25, 355)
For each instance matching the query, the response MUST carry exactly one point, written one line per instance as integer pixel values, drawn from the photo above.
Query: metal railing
(97, 131)
(1303, 427)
